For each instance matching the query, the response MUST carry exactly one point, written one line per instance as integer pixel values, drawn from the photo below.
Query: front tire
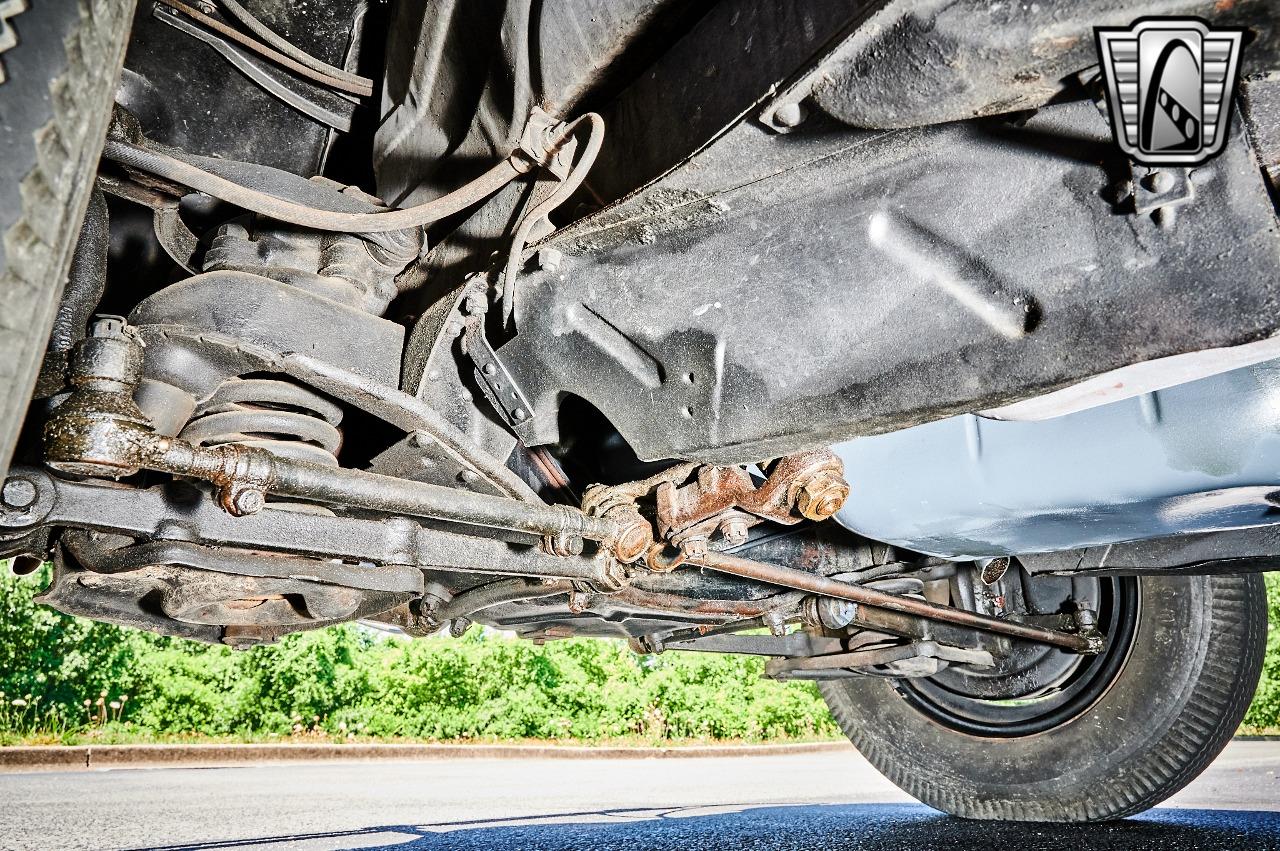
(1171, 705)
(59, 64)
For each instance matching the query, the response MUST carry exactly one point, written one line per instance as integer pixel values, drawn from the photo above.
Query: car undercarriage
(839, 334)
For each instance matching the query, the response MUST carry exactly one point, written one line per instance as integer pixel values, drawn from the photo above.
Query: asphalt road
(816, 802)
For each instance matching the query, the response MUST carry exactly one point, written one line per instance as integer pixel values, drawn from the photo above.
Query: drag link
(100, 432)
(240, 470)
(800, 580)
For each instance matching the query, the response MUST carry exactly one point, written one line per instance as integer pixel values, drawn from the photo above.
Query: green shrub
(1265, 709)
(349, 681)
(60, 675)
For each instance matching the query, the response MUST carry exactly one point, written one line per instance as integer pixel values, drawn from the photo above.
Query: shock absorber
(282, 417)
(209, 378)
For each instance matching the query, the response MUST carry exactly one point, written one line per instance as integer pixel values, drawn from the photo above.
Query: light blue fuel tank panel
(1197, 457)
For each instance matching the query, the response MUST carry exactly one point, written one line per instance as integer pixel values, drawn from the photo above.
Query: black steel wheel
(1045, 688)
(1055, 737)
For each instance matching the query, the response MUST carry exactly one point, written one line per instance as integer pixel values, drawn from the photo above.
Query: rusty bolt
(822, 496)
(694, 547)
(562, 544)
(18, 493)
(612, 576)
(776, 622)
(578, 602)
(247, 501)
(634, 533)
(734, 530)
(1086, 618)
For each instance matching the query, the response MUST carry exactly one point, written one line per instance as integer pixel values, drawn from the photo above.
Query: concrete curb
(81, 757)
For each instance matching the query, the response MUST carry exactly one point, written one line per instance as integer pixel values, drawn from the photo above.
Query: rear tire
(59, 65)
(1171, 707)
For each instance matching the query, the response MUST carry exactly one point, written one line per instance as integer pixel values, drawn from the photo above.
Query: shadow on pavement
(833, 827)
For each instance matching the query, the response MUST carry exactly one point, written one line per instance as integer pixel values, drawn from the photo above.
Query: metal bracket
(499, 385)
(889, 657)
(541, 142)
(1159, 190)
(403, 579)
(796, 644)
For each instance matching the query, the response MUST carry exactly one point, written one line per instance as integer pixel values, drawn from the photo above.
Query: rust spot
(1049, 48)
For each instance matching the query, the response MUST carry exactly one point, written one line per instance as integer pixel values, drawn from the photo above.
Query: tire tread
(53, 162)
(1217, 703)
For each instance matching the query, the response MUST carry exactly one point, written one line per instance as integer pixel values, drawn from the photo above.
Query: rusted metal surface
(666, 602)
(727, 501)
(722, 501)
(213, 594)
(99, 431)
(789, 578)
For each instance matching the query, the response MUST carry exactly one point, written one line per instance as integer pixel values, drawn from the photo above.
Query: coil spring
(279, 416)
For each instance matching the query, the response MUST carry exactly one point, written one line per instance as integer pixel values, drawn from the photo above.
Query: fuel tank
(1200, 456)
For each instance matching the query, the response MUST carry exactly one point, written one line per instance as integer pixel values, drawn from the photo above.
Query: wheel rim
(1078, 689)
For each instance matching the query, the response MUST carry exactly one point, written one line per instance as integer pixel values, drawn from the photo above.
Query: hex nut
(735, 531)
(564, 544)
(822, 496)
(694, 547)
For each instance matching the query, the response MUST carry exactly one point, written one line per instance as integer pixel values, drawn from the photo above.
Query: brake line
(566, 188)
(364, 88)
(175, 170)
(288, 48)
